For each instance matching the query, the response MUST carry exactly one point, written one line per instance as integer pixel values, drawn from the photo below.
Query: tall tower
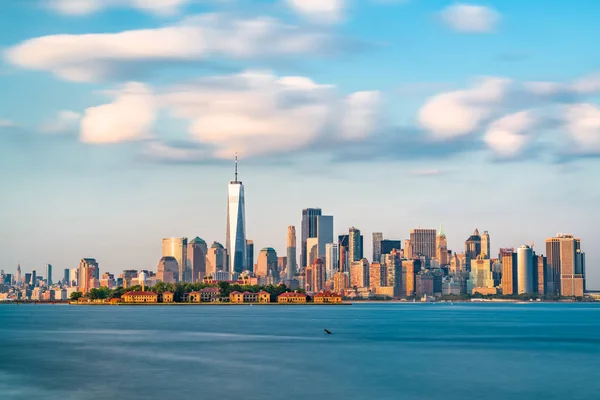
(423, 242)
(473, 246)
(355, 246)
(196, 254)
(49, 274)
(18, 275)
(291, 252)
(324, 234)
(177, 247)
(236, 225)
(441, 247)
(377, 239)
(525, 269)
(309, 230)
(485, 244)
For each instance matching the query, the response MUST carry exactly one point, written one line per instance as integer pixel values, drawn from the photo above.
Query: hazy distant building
(540, 273)
(524, 269)
(66, 277)
(108, 280)
(312, 249)
(266, 264)
(236, 225)
(250, 255)
(423, 242)
(355, 245)
(508, 257)
(480, 275)
(196, 254)
(359, 273)
(343, 253)
(387, 246)
(377, 244)
(485, 245)
(473, 246)
(291, 252)
(319, 276)
(33, 281)
(324, 234)
(281, 265)
(410, 268)
(340, 282)
(309, 230)
(216, 260)
(441, 248)
(49, 275)
(87, 272)
(408, 249)
(377, 275)
(18, 275)
(177, 247)
(331, 260)
(167, 271)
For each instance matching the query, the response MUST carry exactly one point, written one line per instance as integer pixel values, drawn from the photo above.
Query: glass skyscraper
(236, 225)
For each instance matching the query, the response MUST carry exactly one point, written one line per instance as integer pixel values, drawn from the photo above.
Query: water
(377, 351)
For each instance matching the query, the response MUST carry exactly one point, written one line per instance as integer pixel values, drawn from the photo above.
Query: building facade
(196, 254)
(309, 230)
(177, 248)
(291, 253)
(236, 225)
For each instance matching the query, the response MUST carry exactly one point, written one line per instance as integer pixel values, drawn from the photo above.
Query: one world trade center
(236, 225)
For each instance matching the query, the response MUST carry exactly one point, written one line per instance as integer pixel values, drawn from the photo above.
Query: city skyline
(113, 138)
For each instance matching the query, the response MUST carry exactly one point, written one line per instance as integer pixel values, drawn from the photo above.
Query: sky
(120, 119)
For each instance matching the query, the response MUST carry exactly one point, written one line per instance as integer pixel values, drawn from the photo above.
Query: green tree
(76, 296)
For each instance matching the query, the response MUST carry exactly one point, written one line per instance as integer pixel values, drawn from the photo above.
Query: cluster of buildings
(421, 265)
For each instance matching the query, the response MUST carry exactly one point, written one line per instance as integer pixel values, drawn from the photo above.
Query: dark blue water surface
(377, 351)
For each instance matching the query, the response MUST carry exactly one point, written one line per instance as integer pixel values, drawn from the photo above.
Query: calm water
(377, 351)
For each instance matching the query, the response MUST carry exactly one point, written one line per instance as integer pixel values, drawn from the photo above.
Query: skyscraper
(291, 252)
(49, 274)
(525, 269)
(87, 272)
(508, 257)
(216, 260)
(266, 264)
(343, 242)
(377, 239)
(167, 271)
(571, 266)
(309, 230)
(236, 225)
(553, 265)
(18, 275)
(355, 246)
(387, 245)
(196, 254)
(485, 244)
(441, 248)
(177, 247)
(331, 260)
(250, 255)
(473, 246)
(319, 276)
(324, 234)
(65, 280)
(423, 242)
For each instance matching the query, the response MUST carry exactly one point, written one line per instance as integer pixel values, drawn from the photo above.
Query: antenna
(236, 167)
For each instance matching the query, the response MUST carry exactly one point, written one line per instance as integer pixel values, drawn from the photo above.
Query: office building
(473, 246)
(267, 264)
(410, 268)
(236, 225)
(485, 245)
(408, 249)
(343, 242)
(508, 257)
(388, 245)
(196, 255)
(318, 275)
(359, 273)
(331, 260)
(309, 230)
(66, 277)
(423, 242)
(355, 245)
(377, 244)
(292, 267)
(480, 275)
(177, 247)
(49, 275)
(524, 269)
(571, 266)
(216, 260)
(393, 265)
(129, 276)
(18, 274)
(441, 248)
(250, 255)
(377, 275)
(340, 282)
(87, 274)
(312, 249)
(324, 233)
(540, 273)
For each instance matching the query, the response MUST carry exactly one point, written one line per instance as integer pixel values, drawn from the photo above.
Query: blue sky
(119, 120)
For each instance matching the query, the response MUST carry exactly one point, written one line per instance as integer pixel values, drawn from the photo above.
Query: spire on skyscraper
(236, 167)
(441, 233)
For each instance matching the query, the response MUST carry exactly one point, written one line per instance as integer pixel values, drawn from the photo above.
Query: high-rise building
(377, 275)
(18, 275)
(553, 265)
(359, 273)
(267, 264)
(473, 246)
(340, 282)
(423, 242)
(236, 225)
(508, 257)
(571, 266)
(343, 242)
(394, 271)
(291, 252)
(355, 246)
(388, 245)
(309, 230)
(87, 272)
(33, 281)
(410, 269)
(441, 248)
(480, 275)
(312, 249)
(408, 249)
(66, 277)
(524, 269)
(49, 274)
(196, 255)
(216, 260)
(281, 265)
(331, 260)
(318, 275)
(250, 255)
(485, 244)
(168, 264)
(177, 247)
(377, 251)
(540, 273)
(324, 233)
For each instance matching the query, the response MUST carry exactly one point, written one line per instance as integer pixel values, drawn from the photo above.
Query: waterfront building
(292, 266)
(572, 262)
(393, 267)
(473, 246)
(210, 294)
(87, 272)
(140, 297)
(249, 297)
(359, 273)
(524, 269)
(485, 245)
(177, 247)
(355, 245)
(250, 255)
(236, 225)
(167, 297)
(216, 260)
(327, 297)
(168, 270)
(309, 230)
(266, 264)
(423, 242)
(424, 284)
(377, 246)
(441, 248)
(197, 252)
(292, 297)
(553, 264)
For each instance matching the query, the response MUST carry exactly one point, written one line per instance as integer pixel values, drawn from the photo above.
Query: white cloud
(92, 57)
(582, 121)
(66, 121)
(324, 11)
(461, 112)
(5, 123)
(507, 137)
(129, 117)
(470, 18)
(84, 7)
(256, 113)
